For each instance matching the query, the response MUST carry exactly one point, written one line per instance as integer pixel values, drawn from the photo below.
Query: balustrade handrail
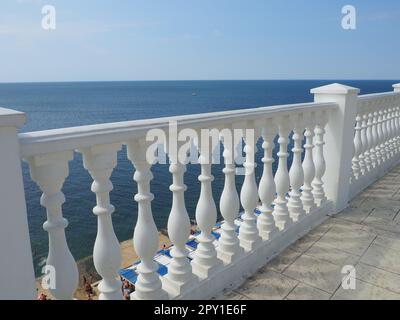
(58, 140)
(378, 95)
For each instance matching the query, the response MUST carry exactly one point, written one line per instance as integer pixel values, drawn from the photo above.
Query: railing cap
(11, 118)
(335, 88)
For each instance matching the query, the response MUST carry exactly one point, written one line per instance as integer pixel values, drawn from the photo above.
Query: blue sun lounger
(163, 257)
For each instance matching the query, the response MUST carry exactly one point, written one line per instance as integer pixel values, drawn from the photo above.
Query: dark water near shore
(56, 105)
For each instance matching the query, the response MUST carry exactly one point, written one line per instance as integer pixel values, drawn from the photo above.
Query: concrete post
(17, 279)
(339, 140)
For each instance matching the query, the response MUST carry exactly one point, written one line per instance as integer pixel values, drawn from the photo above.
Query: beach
(87, 269)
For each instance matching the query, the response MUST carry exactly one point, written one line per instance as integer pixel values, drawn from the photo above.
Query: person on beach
(88, 288)
(42, 296)
(127, 289)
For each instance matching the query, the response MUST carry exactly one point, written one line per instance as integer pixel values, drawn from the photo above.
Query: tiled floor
(366, 236)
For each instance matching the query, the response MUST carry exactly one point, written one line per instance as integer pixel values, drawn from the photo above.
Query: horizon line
(194, 80)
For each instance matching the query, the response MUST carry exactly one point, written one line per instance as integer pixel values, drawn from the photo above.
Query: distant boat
(194, 94)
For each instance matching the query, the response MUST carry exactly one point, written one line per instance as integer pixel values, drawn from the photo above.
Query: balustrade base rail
(363, 182)
(230, 277)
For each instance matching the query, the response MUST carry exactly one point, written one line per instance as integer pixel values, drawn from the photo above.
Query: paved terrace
(366, 235)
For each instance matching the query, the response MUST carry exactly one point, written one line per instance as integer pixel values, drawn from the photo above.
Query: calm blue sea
(56, 105)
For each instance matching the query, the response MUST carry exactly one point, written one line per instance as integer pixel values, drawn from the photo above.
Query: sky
(110, 40)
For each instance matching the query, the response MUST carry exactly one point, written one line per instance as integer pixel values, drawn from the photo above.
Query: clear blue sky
(198, 39)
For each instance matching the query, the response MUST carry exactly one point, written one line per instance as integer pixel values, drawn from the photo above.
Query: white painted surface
(351, 140)
(16, 266)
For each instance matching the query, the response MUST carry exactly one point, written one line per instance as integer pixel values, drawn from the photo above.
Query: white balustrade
(49, 172)
(180, 277)
(282, 179)
(145, 238)
(386, 131)
(296, 172)
(100, 161)
(267, 188)
(397, 129)
(319, 159)
(248, 233)
(312, 189)
(364, 156)
(308, 165)
(370, 142)
(392, 133)
(375, 139)
(205, 261)
(356, 166)
(229, 248)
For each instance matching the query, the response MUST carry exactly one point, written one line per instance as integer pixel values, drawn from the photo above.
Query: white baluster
(384, 147)
(364, 141)
(397, 128)
(296, 172)
(267, 189)
(145, 239)
(180, 277)
(363, 135)
(205, 261)
(357, 149)
(319, 160)
(49, 172)
(229, 247)
(392, 133)
(375, 138)
(282, 179)
(100, 161)
(380, 138)
(248, 233)
(308, 166)
(370, 142)
(386, 114)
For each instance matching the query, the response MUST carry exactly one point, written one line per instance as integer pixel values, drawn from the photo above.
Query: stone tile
(381, 232)
(322, 251)
(356, 215)
(268, 285)
(378, 277)
(357, 201)
(351, 241)
(344, 224)
(390, 186)
(316, 273)
(388, 242)
(235, 296)
(382, 214)
(378, 194)
(304, 243)
(305, 292)
(382, 204)
(321, 229)
(396, 196)
(383, 258)
(378, 223)
(283, 260)
(365, 291)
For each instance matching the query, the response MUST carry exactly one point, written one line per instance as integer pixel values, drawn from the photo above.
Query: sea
(59, 105)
